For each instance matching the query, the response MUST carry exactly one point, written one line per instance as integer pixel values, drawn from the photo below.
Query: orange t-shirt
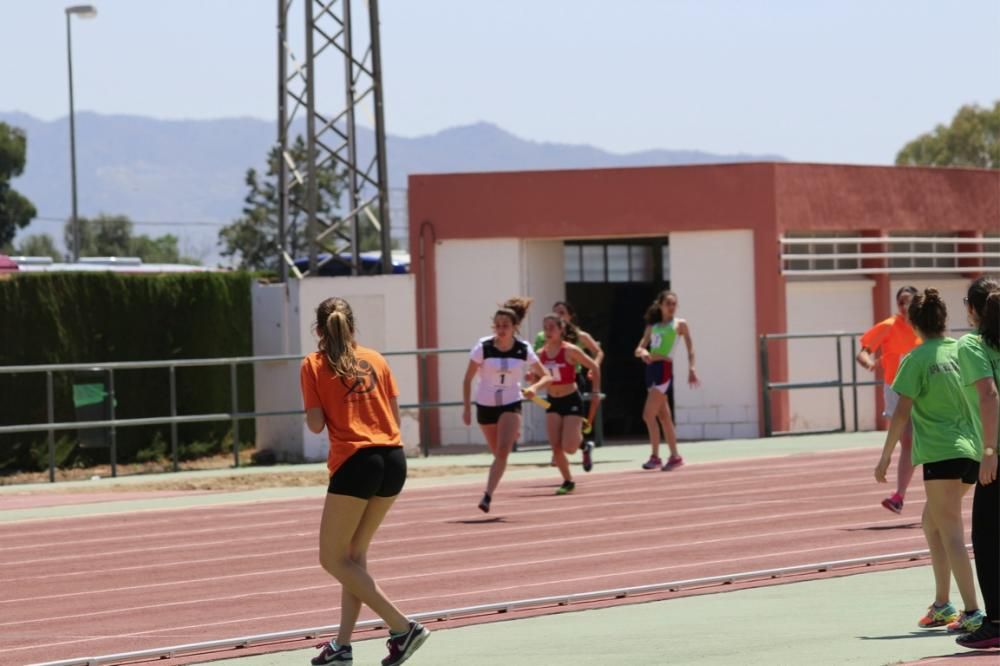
(357, 413)
(896, 338)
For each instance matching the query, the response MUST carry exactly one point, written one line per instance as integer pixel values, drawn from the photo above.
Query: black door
(610, 305)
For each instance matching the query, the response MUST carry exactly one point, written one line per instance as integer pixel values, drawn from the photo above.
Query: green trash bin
(92, 402)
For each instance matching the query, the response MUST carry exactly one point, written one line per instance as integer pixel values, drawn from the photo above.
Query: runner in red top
(564, 416)
(889, 341)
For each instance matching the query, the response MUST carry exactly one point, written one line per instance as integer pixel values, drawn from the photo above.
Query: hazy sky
(814, 80)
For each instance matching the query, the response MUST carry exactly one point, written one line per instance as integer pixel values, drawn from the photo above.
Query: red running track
(108, 584)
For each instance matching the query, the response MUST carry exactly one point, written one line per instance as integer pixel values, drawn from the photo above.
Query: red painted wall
(769, 198)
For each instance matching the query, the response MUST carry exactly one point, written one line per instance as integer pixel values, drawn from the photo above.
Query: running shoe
(967, 622)
(333, 654)
(985, 637)
(566, 488)
(403, 646)
(894, 503)
(484, 504)
(673, 462)
(588, 461)
(938, 616)
(654, 462)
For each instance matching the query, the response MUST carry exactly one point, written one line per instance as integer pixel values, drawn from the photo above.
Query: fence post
(854, 378)
(422, 413)
(765, 386)
(840, 384)
(599, 425)
(50, 410)
(234, 405)
(173, 412)
(114, 432)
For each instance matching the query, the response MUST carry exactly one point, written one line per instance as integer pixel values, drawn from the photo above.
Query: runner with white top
(501, 361)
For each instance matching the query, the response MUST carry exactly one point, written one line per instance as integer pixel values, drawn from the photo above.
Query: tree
(971, 140)
(253, 238)
(38, 245)
(15, 210)
(161, 250)
(111, 236)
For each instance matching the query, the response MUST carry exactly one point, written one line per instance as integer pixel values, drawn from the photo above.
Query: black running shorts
(568, 405)
(371, 471)
(965, 469)
(491, 415)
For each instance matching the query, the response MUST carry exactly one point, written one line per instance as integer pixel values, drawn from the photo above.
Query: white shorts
(890, 399)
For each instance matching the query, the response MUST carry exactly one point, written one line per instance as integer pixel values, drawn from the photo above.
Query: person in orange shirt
(349, 390)
(889, 341)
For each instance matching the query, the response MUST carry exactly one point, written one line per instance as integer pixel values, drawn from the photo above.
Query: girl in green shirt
(979, 360)
(655, 349)
(930, 390)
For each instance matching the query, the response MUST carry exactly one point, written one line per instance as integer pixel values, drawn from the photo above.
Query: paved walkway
(862, 619)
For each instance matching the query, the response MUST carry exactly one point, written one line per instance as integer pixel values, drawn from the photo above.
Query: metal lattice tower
(330, 62)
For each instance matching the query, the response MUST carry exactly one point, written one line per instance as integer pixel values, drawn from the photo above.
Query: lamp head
(83, 11)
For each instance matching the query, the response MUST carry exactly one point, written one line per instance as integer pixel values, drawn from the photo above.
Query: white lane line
(500, 529)
(453, 490)
(272, 616)
(582, 503)
(409, 557)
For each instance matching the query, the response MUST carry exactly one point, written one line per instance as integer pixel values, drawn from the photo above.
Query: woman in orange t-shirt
(349, 390)
(892, 339)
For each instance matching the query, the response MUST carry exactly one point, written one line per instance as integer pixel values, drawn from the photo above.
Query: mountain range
(186, 177)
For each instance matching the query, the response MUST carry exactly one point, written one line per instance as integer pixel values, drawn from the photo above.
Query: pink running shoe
(673, 462)
(894, 503)
(652, 463)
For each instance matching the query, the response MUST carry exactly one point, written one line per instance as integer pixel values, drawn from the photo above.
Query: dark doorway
(611, 283)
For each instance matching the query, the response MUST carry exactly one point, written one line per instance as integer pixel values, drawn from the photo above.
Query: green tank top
(662, 338)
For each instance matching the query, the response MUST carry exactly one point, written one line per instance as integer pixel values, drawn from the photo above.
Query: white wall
(843, 305)
(385, 315)
(473, 278)
(713, 276)
(822, 307)
(545, 280)
(276, 384)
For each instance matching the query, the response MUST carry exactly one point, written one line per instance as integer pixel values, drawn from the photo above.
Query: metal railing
(767, 386)
(234, 415)
(964, 255)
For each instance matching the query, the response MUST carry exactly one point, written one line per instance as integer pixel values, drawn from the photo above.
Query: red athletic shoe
(653, 463)
(894, 503)
(673, 462)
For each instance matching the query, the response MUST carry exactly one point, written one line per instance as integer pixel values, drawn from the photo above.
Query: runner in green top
(655, 349)
(940, 413)
(929, 385)
(979, 360)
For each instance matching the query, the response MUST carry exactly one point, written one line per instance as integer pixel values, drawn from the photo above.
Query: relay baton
(541, 402)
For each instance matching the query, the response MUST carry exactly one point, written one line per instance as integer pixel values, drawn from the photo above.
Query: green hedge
(94, 317)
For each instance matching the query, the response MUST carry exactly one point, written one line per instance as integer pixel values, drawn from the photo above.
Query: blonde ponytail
(335, 326)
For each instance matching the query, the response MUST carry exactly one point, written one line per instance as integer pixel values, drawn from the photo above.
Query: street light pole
(83, 11)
